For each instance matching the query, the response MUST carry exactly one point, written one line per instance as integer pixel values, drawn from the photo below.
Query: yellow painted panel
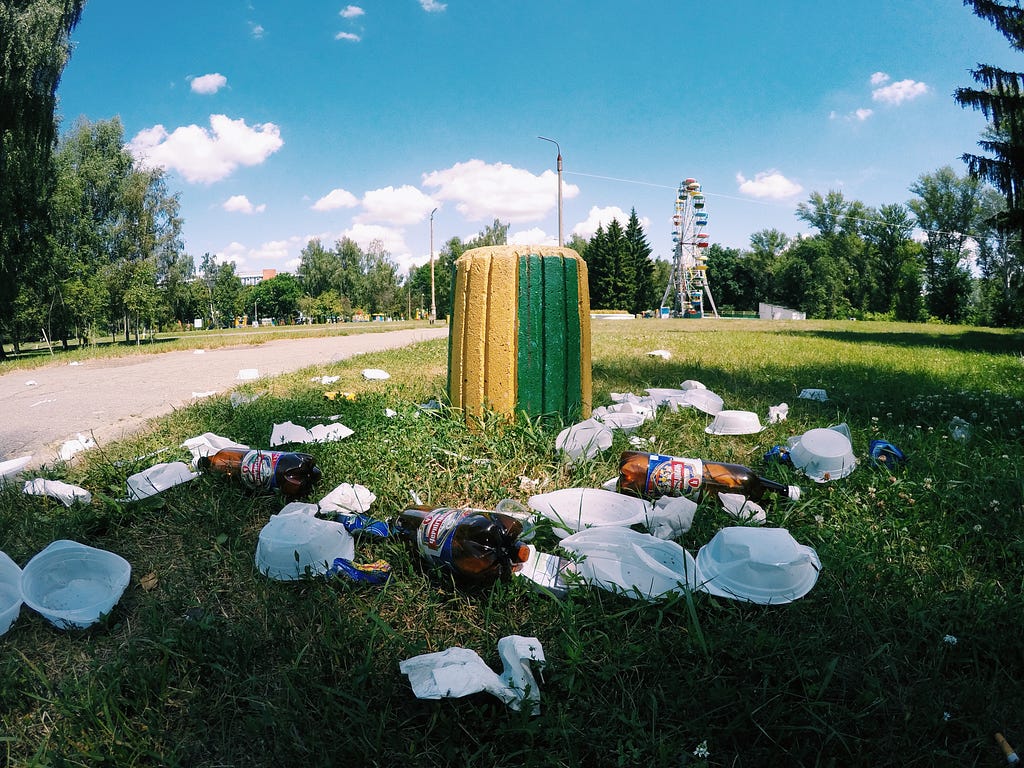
(500, 335)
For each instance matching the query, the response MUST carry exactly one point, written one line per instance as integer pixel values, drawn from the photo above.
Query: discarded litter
(635, 564)
(475, 546)
(759, 565)
(76, 445)
(65, 493)
(207, 393)
(729, 422)
(375, 573)
(884, 454)
(742, 508)
(158, 478)
(10, 592)
(340, 395)
(622, 421)
(671, 516)
(318, 433)
(697, 397)
(650, 475)
(813, 394)
(296, 543)
(72, 585)
(823, 454)
(10, 469)
(248, 374)
(240, 398)
(208, 444)
(325, 379)
(585, 440)
(777, 413)
(959, 429)
(457, 672)
(294, 474)
(664, 354)
(348, 497)
(573, 509)
(375, 374)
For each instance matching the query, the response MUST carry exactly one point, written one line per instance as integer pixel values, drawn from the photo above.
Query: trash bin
(519, 337)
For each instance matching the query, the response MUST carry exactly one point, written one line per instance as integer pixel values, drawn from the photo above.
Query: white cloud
(898, 92)
(205, 156)
(348, 36)
(879, 78)
(483, 191)
(858, 115)
(402, 206)
(364, 234)
(768, 184)
(336, 198)
(431, 6)
(256, 30)
(351, 12)
(207, 84)
(534, 236)
(600, 217)
(241, 204)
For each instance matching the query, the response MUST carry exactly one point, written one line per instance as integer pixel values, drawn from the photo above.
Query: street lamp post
(545, 138)
(256, 310)
(433, 298)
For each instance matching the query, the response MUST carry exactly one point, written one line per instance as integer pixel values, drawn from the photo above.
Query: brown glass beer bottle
(294, 474)
(651, 475)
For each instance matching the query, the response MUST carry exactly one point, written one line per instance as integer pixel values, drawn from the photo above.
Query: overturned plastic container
(573, 509)
(823, 454)
(73, 585)
(10, 592)
(729, 422)
(296, 544)
(635, 564)
(759, 565)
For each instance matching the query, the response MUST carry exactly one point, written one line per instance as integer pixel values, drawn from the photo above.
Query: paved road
(110, 398)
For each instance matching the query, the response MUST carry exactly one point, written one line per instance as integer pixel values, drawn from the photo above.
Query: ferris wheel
(688, 283)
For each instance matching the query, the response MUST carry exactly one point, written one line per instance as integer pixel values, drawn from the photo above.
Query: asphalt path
(107, 399)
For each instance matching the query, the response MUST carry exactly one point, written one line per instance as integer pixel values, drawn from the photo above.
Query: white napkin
(65, 493)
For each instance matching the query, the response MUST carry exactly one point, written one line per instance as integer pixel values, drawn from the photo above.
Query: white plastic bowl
(702, 399)
(10, 592)
(823, 454)
(622, 421)
(585, 439)
(294, 543)
(632, 563)
(579, 508)
(735, 423)
(760, 565)
(72, 585)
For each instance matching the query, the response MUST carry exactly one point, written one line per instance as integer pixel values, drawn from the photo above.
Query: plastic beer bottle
(294, 474)
(651, 475)
(476, 546)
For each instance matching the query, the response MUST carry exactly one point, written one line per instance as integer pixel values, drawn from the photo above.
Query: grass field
(907, 652)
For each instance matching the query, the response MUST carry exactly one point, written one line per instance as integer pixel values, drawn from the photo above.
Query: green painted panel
(555, 346)
(530, 363)
(573, 363)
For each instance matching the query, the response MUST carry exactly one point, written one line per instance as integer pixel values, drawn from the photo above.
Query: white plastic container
(760, 565)
(72, 585)
(735, 423)
(295, 543)
(579, 508)
(823, 454)
(10, 592)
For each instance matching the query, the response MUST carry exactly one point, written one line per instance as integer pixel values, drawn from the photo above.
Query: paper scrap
(65, 493)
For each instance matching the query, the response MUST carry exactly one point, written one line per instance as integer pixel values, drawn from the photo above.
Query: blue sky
(282, 121)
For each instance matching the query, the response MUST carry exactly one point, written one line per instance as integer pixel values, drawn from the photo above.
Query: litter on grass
(158, 478)
(10, 469)
(248, 374)
(664, 354)
(583, 440)
(208, 444)
(319, 433)
(65, 493)
(348, 497)
(375, 374)
(814, 394)
(75, 446)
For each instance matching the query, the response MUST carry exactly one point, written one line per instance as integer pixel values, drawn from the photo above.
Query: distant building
(267, 274)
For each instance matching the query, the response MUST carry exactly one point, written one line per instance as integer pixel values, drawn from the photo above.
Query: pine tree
(639, 251)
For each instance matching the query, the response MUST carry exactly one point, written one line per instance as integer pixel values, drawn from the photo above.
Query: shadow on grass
(968, 340)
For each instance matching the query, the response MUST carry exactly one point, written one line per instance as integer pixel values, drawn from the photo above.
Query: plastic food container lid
(579, 508)
(760, 565)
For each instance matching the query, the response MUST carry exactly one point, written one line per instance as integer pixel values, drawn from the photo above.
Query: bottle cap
(794, 492)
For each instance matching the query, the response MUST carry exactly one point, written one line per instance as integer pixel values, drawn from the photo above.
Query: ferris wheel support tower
(688, 283)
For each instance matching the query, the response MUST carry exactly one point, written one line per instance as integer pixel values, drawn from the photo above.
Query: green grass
(219, 666)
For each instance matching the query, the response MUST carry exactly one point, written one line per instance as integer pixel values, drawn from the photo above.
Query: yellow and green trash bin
(519, 338)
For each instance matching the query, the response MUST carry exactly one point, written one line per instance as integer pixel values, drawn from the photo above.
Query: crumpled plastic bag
(671, 516)
(157, 478)
(65, 493)
(457, 672)
(742, 508)
(319, 433)
(75, 445)
(208, 444)
(777, 413)
(348, 498)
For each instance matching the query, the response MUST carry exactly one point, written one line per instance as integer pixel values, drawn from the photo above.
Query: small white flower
(702, 750)
(977, 528)
(946, 717)
(949, 640)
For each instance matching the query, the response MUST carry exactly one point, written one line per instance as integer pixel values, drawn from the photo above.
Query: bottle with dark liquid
(294, 474)
(651, 475)
(476, 546)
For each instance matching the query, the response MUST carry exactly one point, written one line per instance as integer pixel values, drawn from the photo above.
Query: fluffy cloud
(350, 36)
(365, 234)
(771, 185)
(205, 156)
(858, 115)
(351, 12)
(241, 204)
(336, 198)
(483, 191)
(603, 217)
(207, 84)
(534, 236)
(402, 206)
(898, 92)
(432, 6)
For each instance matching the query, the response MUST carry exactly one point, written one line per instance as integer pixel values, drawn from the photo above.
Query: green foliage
(900, 652)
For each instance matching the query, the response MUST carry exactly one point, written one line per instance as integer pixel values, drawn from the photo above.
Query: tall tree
(34, 48)
(643, 295)
(827, 213)
(318, 269)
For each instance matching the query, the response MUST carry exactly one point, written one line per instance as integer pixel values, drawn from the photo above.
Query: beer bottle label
(435, 534)
(258, 468)
(672, 476)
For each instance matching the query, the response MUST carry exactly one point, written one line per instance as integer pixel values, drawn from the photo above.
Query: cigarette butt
(1011, 756)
